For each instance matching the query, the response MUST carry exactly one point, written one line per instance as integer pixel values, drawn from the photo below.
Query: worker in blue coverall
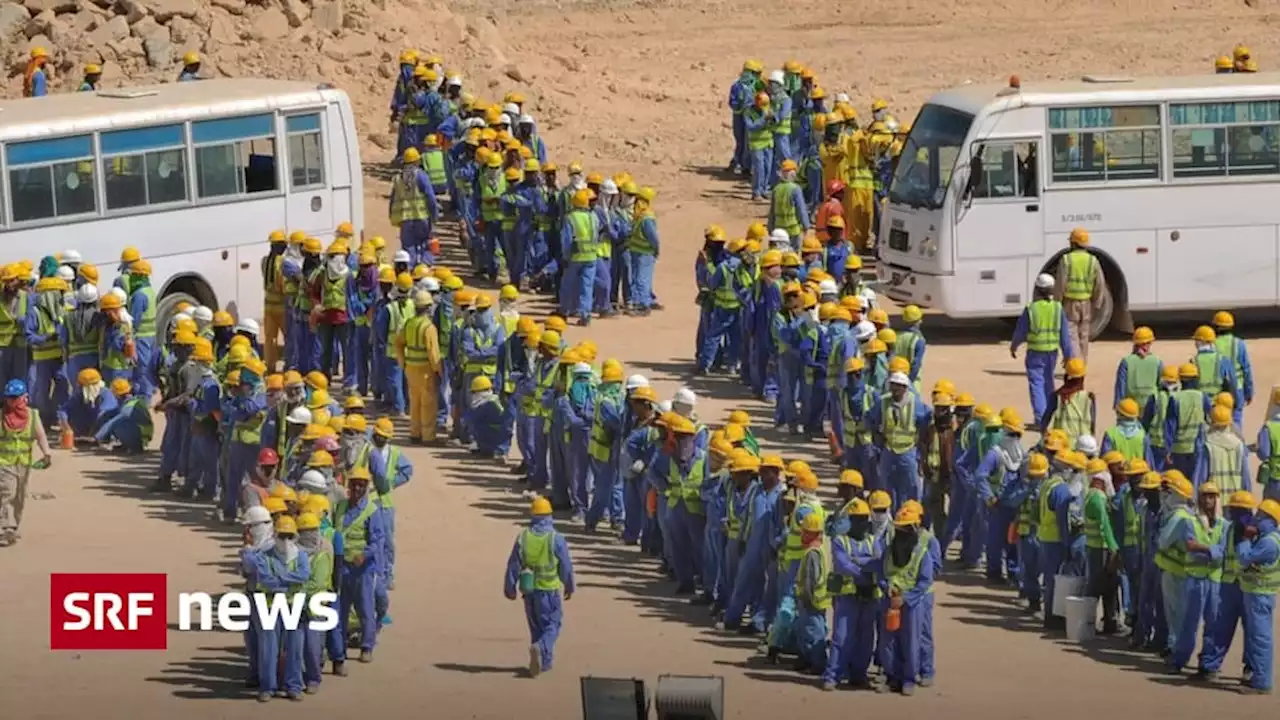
(1000, 448)
(80, 334)
(612, 229)
(284, 568)
(491, 185)
(391, 312)
(142, 308)
(362, 525)
(424, 109)
(842, 345)
(908, 567)
(576, 410)
(464, 192)
(642, 248)
(741, 95)
(362, 294)
(639, 452)
(755, 586)
(780, 104)
(723, 338)
(1185, 421)
(1176, 540)
(1217, 371)
(911, 343)
(1126, 521)
(1239, 513)
(855, 558)
(812, 597)
(705, 267)
(604, 447)
(314, 539)
(682, 469)
(962, 512)
(722, 457)
(307, 338)
(390, 469)
(1043, 327)
(413, 206)
(204, 452)
(759, 122)
(1060, 542)
(117, 341)
(1268, 449)
(802, 503)
(523, 201)
(1138, 374)
(540, 569)
(40, 327)
(481, 342)
(784, 332)
(1232, 347)
(1204, 566)
(744, 469)
(130, 423)
(248, 410)
(400, 94)
(579, 233)
(1150, 630)
(543, 375)
(86, 406)
(180, 378)
(488, 420)
(1259, 559)
(898, 422)
(856, 400)
(515, 371)
(767, 304)
(1019, 495)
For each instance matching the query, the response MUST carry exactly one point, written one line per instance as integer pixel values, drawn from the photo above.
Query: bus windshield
(929, 156)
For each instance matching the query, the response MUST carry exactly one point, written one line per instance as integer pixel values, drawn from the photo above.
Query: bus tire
(1102, 315)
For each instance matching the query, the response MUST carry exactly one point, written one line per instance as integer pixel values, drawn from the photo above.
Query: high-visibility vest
(686, 486)
(1232, 348)
(586, 228)
(1198, 565)
(1142, 377)
(537, 553)
(821, 596)
(393, 460)
(793, 548)
(905, 347)
(1190, 420)
(113, 359)
(1210, 366)
(1093, 535)
(1027, 512)
(781, 125)
(1044, 325)
(272, 281)
(249, 430)
(545, 374)
(15, 445)
(1132, 523)
(10, 323)
(1262, 579)
(904, 578)
(758, 139)
(491, 192)
(1272, 462)
(785, 214)
(145, 327)
(410, 202)
(1132, 448)
(850, 546)
(1225, 452)
(355, 537)
(333, 293)
(1156, 431)
(433, 163)
(1047, 530)
(145, 426)
(637, 243)
(725, 295)
(600, 445)
(1080, 275)
(272, 562)
(855, 429)
(399, 313)
(1230, 561)
(488, 367)
(416, 350)
(734, 519)
(88, 345)
(47, 325)
(1173, 559)
(1075, 416)
(899, 427)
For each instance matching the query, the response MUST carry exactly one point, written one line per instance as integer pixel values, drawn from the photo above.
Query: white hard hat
(66, 274)
(842, 97)
(581, 369)
(504, 119)
(248, 325)
(430, 284)
(401, 256)
(828, 287)
(1087, 444)
(314, 481)
(664, 406)
(864, 330)
(422, 299)
(777, 76)
(636, 381)
(608, 187)
(526, 119)
(118, 292)
(1044, 281)
(87, 294)
(899, 379)
(179, 317)
(202, 314)
(71, 256)
(685, 396)
(779, 237)
(256, 515)
(299, 416)
(455, 81)
(511, 109)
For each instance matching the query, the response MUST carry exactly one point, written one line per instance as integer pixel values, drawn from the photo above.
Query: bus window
(1100, 144)
(1226, 139)
(929, 157)
(235, 156)
(1003, 170)
(144, 166)
(306, 151)
(51, 178)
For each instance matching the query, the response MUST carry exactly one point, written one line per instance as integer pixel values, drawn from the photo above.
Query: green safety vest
(855, 431)
(1156, 430)
(1173, 559)
(1272, 462)
(1225, 451)
(433, 163)
(355, 537)
(758, 139)
(48, 326)
(821, 596)
(1210, 366)
(409, 201)
(546, 379)
(586, 230)
(1132, 523)
(145, 327)
(905, 347)
(321, 562)
(272, 561)
(636, 241)
(1093, 535)
(490, 198)
(537, 553)
(784, 208)
(1190, 420)
(113, 359)
(399, 313)
(1080, 275)
(781, 126)
(1044, 325)
(416, 352)
(1047, 530)
(146, 427)
(249, 432)
(302, 300)
(1075, 416)
(904, 578)
(725, 295)
(333, 294)
(481, 367)
(393, 459)
(1199, 566)
(1142, 377)
(15, 445)
(1230, 561)
(793, 549)
(87, 345)
(899, 428)
(733, 521)
(10, 332)
(686, 487)
(1132, 448)
(849, 545)
(1232, 348)
(272, 296)
(1262, 579)
(600, 444)
(1027, 516)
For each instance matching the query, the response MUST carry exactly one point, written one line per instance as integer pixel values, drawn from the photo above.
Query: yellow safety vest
(1080, 275)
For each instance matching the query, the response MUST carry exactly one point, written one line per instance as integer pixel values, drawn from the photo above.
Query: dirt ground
(457, 647)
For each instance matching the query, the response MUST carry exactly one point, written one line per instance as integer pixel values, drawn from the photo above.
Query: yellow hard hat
(222, 318)
(1223, 63)
(361, 472)
(408, 57)
(851, 477)
(581, 199)
(1220, 416)
(1150, 480)
(481, 384)
(771, 258)
(308, 521)
(1188, 370)
(744, 461)
(557, 323)
(754, 66)
(110, 302)
(796, 467)
(1011, 421)
(1223, 320)
(1128, 408)
(88, 376)
(411, 156)
(734, 432)
(1074, 368)
(806, 480)
(337, 423)
(899, 364)
(540, 506)
(1242, 499)
(875, 346)
(284, 492)
(387, 274)
(550, 338)
(611, 373)
(191, 57)
(879, 500)
(1143, 335)
(353, 402)
(275, 506)
(906, 517)
(129, 255)
(319, 399)
(812, 523)
(39, 52)
(1079, 236)
(383, 427)
(1094, 466)
(316, 380)
(313, 431)
(356, 423)
(509, 292)
(1204, 334)
(93, 69)
(311, 246)
(1136, 466)
(120, 386)
(203, 351)
(1271, 508)
(1241, 52)
(912, 314)
(1037, 465)
(1209, 487)
(320, 458)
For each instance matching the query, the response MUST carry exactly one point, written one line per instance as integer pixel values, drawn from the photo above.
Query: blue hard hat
(15, 388)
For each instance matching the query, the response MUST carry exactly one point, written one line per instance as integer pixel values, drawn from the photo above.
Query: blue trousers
(124, 429)
(109, 375)
(75, 364)
(388, 574)
(633, 512)
(998, 550)
(739, 159)
(606, 492)
(308, 345)
(713, 540)
(1173, 591)
(1029, 568)
(271, 644)
(817, 405)
(583, 281)
(143, 383)
(1040, 367)
(444, 395)
(908, 652)
(1050, 565)
(748, 585)
(359, 345)
(620, 280)
(242, 459)
(1131, 580)
(811, 634)
(1201, 603)
(781, 151)
(204, 458)
(602, 300)
(393, 384)
(1217, 637)
(729, 571)
(764, 371)
(359, 586)
(700, 337)
(561, 469)
(686, 540)
(313, 644)
(177, 423)
(789, 387)
(761, 172)
(746, 350)
(541, 457)
(901, 476)
(526, 432)
(490, 244)
(544, 611)
(725, 333)
(853, 638)
(579, 473)
(1184, 462)
(1152, 624)
(1259, 644)
(513, 248)
(47, 386)
(957, 513)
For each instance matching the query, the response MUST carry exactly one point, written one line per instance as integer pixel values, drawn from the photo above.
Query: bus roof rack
(1106, 79)
(126, 94)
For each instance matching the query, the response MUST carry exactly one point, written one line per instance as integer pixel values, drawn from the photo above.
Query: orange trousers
(272, 329)
(423, 405)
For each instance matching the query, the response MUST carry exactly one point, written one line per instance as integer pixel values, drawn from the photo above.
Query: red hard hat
(834, 187)
(267, 456)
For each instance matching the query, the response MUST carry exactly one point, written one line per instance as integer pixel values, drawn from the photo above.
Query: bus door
(310, 199)
(998, 212)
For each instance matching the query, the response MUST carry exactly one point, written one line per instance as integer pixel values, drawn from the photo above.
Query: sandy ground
(457, 647)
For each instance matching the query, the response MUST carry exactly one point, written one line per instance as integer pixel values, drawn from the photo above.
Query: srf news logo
(128, 611)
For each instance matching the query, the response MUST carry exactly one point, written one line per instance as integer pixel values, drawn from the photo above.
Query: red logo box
(108, 611)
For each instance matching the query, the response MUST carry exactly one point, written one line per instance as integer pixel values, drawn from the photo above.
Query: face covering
(261, 536)
(904, 543)
(336, 267)
(480, 398)
(1011, 450)
(1129, 427)
(286, 549)
(1151, 496)
(309, 540)
(859, 527)
(684, 448)
(879, 520)
(90, 393)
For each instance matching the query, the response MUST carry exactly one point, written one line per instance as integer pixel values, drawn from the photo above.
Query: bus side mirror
(975, 177)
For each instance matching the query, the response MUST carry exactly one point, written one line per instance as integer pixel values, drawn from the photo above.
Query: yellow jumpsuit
(859, 198)
(418, 347)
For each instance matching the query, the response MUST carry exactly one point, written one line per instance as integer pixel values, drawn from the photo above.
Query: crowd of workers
(35, 78)
(1239, 61)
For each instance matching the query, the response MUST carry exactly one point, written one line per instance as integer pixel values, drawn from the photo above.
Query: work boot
(366, 656)
(340, 668)
(1203, 675)
(535, 661)
(294, 695)
(925, 682)
(264, 697)
(1251, 690)
(521, 469)
(828, 685)
(312, 689)
(908, 690)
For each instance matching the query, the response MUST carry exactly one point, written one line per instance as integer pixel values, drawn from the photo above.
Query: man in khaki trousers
(1080, 277)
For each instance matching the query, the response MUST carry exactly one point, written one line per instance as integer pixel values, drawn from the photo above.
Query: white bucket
(1082, 616)
(1064, 586)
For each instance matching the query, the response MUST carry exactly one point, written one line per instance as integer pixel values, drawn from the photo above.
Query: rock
(83, 21)
(144, 27)
(129, 47)
(386, 71)
(513, 71)
(235, 7)
(184, 32)
(13, 18)
(165, 9)
(327, 15)
(133, 10)
(386, 141)
(296, 10)
(334, 52)
(38, 41)
(159, 49)
(40, 24)
(568, 63)
(270, 24)
(113, 30)
(39, 6)
(222, 30)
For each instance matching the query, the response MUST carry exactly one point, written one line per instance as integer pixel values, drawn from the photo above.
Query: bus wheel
(1103, 313)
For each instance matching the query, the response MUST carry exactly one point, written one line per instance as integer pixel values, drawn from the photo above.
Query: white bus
(195, 175)
(1176, 180)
